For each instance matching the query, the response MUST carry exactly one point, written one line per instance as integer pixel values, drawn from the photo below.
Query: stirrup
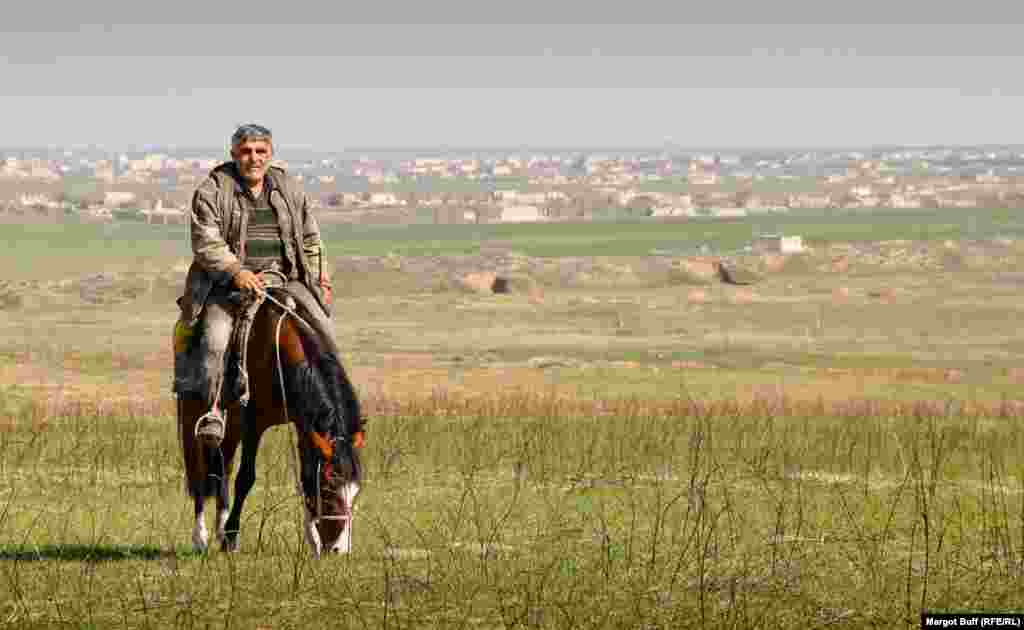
(210, 428)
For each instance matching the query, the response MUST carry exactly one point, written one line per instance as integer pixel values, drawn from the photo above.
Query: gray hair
(250, 132)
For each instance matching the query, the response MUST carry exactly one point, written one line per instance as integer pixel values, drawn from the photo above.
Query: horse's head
(322, 403)
(330, 482)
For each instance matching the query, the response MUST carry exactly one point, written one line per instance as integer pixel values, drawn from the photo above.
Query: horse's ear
(322, 444)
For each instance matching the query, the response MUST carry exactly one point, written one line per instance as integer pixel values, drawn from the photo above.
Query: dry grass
(606, 456)
(697, 296)
(773, 263)
(742, 296)
(534, 510)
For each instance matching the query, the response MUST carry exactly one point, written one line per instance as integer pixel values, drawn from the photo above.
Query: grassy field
(131, 243)
(612, 455)
(533, 511)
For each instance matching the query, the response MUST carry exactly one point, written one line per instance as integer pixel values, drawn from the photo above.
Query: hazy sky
(95, 78)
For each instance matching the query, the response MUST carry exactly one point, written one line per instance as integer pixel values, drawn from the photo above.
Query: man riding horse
(248, 218)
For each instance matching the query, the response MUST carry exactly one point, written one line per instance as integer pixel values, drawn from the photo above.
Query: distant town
(515, 186)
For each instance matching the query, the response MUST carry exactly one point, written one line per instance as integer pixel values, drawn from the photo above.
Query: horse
(329, 466)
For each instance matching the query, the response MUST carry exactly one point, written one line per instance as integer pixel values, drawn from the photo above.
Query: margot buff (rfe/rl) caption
(972, 620)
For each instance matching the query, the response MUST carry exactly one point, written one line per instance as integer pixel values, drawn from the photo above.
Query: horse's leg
(214, 484)
(196, 467)
(235, 420)
(200, 535)
(222, 520)
(251, 434)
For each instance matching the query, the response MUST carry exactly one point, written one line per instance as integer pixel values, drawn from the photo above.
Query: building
(160, 214)
(674, 211)
(703, 177)
(810, 200)
(97, 215)
(113, 198)
(532, 198)
(899, 200)
(385, 199)
(37, 201)
(728, 213)
(521, 214)
(777, 243)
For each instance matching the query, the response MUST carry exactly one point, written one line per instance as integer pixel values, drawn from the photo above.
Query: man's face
(253, 158)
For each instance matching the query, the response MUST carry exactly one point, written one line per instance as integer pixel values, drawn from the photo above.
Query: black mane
(320, 392)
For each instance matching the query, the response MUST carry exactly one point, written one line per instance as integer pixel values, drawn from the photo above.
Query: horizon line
(661, 147)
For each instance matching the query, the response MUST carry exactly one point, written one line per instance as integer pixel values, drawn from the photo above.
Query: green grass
(506, 511)
(136, 243)
(639, 238)
(89, 553)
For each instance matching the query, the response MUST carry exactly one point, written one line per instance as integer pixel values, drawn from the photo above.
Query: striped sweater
(263, 248)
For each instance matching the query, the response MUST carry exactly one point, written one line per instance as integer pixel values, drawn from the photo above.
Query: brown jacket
(218, 227)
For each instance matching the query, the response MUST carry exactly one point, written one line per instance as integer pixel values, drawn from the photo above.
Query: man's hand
(325, 285)
(248, 281)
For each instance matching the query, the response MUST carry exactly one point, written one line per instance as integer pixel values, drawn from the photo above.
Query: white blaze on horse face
(344, 542)
(200, 535)
(312, 535)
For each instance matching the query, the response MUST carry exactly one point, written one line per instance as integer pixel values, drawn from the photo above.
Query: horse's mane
(321, 393)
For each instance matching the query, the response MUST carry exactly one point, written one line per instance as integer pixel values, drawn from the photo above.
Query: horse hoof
(229, 546)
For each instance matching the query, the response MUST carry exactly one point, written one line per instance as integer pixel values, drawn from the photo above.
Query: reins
(290, 310)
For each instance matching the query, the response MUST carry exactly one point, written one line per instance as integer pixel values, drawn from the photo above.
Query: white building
(531, 198)
(37, 200)
(114, 198)
(780, 244)
(703, 177)
(898, 200)
(989, 178)
(385, 199)
(674, 211)
(728, 213)
(97, 214)
(160, 214)
(521, 214)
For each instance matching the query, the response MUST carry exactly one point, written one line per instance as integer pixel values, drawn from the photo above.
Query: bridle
(288, 306)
